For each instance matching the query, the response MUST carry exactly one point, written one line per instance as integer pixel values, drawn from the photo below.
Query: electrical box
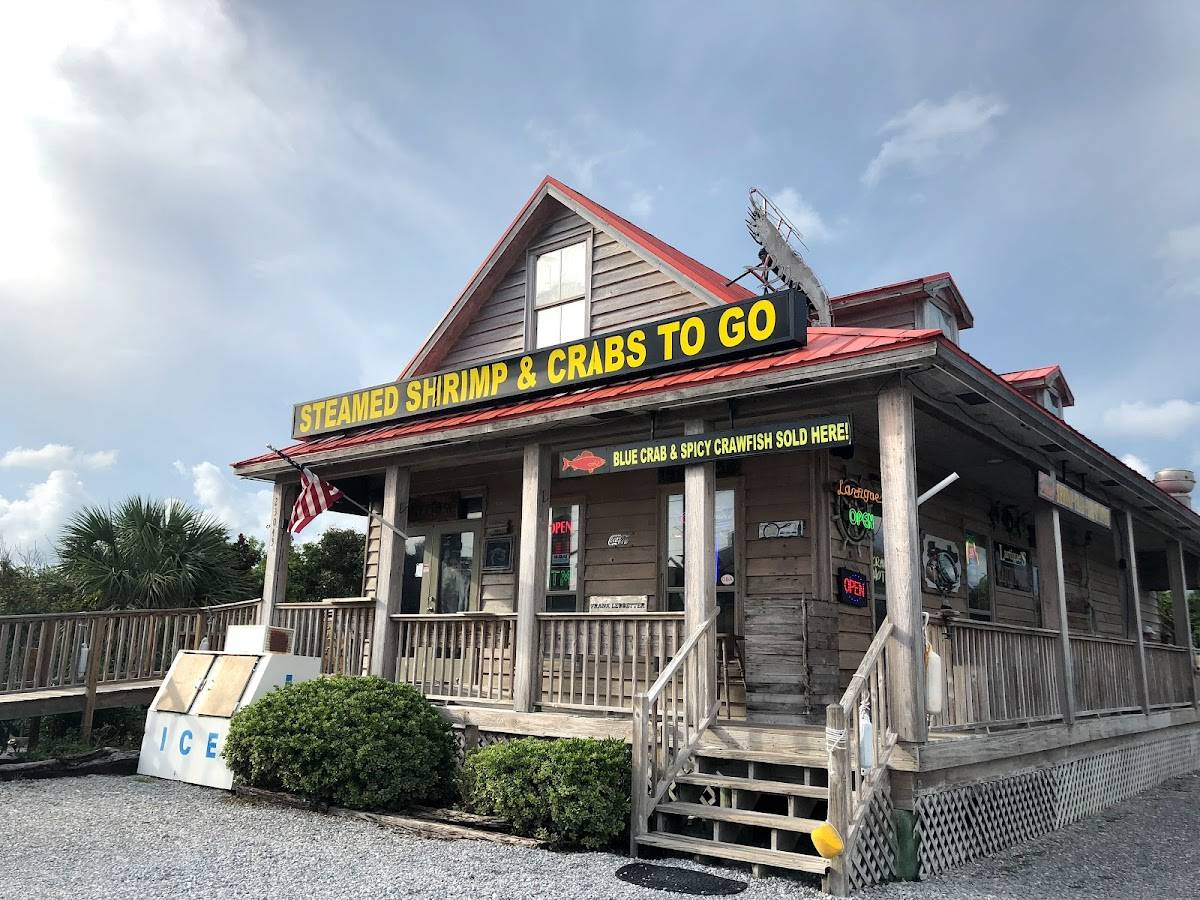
(189, 718)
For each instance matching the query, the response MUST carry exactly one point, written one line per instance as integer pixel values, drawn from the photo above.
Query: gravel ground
(101, 837)
(1148, 846)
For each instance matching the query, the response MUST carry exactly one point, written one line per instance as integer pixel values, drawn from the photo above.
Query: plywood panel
(185, 681)
(225, 685)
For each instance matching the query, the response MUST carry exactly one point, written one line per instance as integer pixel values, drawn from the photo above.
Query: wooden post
(95, 651)
(279, 546)
(901, 541)
(390, 580)
(1053, 588)
(531, 574)
(838, 815)
(1179, 599)
(699, 566)
(638, 814)
(1135, 599)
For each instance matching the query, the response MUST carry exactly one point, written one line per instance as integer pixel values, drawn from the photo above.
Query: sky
(210, 211)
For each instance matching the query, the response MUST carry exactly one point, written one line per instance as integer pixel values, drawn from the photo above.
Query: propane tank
(935, 695)
(866, 739)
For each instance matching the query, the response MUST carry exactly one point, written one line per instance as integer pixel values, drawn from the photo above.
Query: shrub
(572, 792)
(357, 742)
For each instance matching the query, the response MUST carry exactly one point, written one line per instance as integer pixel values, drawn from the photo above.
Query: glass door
(724, 565)
(441, 571)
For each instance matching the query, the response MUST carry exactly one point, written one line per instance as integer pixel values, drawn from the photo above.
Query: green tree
(150, 554)
(329, 567)
(29, 585)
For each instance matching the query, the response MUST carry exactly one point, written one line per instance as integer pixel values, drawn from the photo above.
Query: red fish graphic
(586, 461)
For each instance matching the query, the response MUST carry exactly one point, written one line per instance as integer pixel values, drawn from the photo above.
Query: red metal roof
(824, 345)
(1039, 374)
(899, 286)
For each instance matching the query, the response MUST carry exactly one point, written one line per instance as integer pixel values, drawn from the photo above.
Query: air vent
(1108, 482)
(1053, 447)
(973, 399)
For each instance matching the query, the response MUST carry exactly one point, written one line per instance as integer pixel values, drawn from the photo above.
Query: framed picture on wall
(1014, 568)
(942, 563)
(497, 553)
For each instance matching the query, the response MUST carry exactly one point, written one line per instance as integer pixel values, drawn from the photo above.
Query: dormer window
(559, 294)
(1051, 402)
(936, 317)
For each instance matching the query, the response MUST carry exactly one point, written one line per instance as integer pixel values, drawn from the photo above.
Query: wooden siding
(626, 291)
(371, 557)
(895, 313)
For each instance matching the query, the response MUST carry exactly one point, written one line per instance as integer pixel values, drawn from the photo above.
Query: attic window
(936, 317)
(560, 296)
(1051, 402)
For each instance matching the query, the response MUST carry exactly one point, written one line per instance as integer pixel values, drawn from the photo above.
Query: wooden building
(641, 501)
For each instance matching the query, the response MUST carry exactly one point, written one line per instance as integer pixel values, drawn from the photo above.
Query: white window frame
(585, 236)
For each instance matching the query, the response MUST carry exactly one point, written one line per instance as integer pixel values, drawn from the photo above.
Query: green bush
(357, 742)
(572, 792)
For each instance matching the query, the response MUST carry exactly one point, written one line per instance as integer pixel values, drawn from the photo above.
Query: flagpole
(369, 513)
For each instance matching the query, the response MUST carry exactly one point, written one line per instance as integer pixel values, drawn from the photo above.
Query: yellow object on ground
(827, 841)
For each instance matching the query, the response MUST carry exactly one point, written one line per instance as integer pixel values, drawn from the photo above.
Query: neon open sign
(852, 587)
(861, 518)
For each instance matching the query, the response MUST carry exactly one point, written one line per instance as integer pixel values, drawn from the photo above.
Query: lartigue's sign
(1050, 488)
(733, 330)
(811, 434)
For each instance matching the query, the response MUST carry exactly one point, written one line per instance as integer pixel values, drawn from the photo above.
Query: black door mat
(679, 881)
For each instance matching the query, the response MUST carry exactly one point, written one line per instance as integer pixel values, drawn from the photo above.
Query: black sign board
(775, 437)
(852, 587)
(696, 337)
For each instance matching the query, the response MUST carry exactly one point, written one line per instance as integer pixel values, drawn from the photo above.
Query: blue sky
(212, 211)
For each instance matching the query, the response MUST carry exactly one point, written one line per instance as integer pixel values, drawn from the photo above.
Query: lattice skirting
(471, 738)
(872, 858)
(960, 823)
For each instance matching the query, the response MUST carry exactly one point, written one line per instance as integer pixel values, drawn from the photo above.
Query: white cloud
(587, 143)
(245, 506)
(1138, 465)
(57, 456)
(1180, 255)
(1168, 419)
(642, 204)
(803, 215)
(928, 134)
(34, 520)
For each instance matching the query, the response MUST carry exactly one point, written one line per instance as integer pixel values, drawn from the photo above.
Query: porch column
(699, 560)
(901, 543)
(279, 547)
(1135, 599)
(531, 574)
(1179, 600)
(1053, 598)
(390, 580)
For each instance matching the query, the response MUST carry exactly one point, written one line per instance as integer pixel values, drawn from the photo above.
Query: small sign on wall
(618, 603)
(852, 587)
(619, 540)
(943, 565)
(788, 528)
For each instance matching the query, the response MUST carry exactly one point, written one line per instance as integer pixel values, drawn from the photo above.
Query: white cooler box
(189, 718)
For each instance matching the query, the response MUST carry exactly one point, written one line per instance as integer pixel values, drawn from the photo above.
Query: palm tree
(150, 554)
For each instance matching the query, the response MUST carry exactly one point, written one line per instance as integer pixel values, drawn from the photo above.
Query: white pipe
(938, 488)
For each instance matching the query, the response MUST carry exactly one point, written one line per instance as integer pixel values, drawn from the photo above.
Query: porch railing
(602, 662)
(994, 674)
(338, 631)
(1169, 672)
(669, 720)
(464, 656)
(1106, 675)
(860, 738)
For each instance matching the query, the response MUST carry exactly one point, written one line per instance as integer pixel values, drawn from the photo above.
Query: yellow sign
(1050, 488)
(736, 329)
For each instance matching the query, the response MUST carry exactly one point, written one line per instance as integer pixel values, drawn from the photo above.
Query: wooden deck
(50, 701)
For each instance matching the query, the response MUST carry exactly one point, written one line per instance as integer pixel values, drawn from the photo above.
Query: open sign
(852, 587)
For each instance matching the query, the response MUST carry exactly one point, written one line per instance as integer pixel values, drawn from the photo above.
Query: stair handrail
(667, 727)
(860, 741)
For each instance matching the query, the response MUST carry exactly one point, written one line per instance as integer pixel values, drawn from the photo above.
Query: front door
(724, 565)
(441, 569)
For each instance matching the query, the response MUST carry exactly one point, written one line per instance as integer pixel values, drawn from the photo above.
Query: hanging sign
(811, 434)
(735, 329)
(1050, 488)
(852, 587)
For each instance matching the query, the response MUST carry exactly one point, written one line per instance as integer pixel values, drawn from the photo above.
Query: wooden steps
(759, 856)
(809, 758)
(740, 816)
(759, 785)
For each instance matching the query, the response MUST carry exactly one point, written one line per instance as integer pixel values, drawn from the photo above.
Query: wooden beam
(390, 583)
(531, 573)
(699, 561)
(901, 540)
(1135, 599)
(279, 546)
(95, 651)
(1053, 597)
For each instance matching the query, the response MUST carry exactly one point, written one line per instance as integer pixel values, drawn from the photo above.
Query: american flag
(316, 496)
